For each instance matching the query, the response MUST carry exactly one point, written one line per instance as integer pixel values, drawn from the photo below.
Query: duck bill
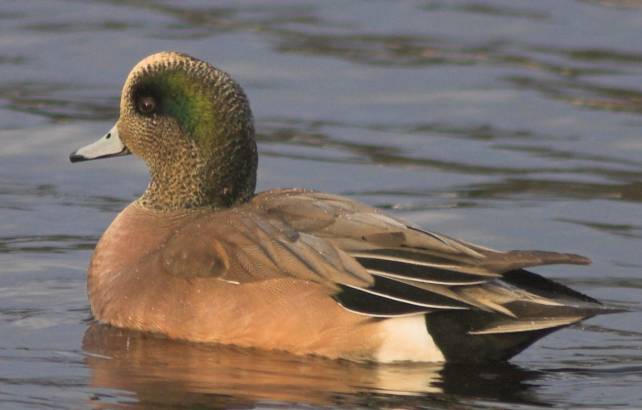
(110, 145)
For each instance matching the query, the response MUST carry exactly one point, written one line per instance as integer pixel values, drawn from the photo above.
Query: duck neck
(226, 178)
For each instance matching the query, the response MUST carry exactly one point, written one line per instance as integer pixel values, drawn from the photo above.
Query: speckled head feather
(192, 125)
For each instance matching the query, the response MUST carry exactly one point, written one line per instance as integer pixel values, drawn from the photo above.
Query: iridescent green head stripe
(198, 142)
(181, 96)
(199, 96)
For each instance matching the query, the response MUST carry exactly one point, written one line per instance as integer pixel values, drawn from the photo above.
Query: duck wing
(371, 263)
(417, 272)
(240, 245)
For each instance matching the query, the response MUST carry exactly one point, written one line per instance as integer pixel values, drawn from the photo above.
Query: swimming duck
(201, 257)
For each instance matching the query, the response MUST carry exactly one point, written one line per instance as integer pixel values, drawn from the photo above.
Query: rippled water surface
(512, 124)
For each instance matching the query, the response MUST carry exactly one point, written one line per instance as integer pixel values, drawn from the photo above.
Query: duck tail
(476, 335)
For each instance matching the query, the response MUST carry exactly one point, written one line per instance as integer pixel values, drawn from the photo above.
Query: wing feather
(418, 271)
(415, 271)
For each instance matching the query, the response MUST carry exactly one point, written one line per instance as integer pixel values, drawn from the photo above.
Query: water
(511, 124)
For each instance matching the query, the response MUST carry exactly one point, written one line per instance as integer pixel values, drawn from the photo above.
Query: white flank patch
(406, 339)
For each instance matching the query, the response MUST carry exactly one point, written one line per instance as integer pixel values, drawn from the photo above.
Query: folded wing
(419, 272)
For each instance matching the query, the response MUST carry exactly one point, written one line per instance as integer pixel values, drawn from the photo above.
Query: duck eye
(146, 105)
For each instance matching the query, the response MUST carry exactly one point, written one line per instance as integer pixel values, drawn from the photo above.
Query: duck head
(191, 123)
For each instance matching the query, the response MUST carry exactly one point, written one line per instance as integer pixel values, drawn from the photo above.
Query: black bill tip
(74, 157)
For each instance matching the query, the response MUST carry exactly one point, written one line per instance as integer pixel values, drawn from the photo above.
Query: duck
(201, 257)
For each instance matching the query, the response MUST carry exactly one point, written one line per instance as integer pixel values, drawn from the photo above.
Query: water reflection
(522, 188)
(46, 243)
(57, 102)
(161, 372)
(322, 139)
(520, 131)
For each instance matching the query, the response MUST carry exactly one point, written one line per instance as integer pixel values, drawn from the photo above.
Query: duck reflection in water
(173, 374)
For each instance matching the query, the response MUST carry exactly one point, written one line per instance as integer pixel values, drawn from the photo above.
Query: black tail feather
(450, 331)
